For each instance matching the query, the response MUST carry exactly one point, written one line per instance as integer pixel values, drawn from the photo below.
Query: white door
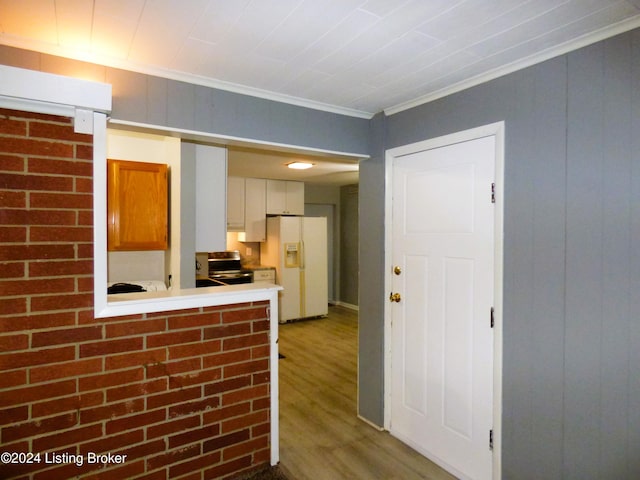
(441, 335)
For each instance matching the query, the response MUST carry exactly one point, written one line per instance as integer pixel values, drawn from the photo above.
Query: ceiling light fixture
(299, 165)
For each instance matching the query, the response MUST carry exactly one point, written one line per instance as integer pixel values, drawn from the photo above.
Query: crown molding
(106, 61)
(583, 41)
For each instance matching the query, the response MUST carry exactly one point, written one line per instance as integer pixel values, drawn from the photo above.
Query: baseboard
(370, 423)
(346, 305)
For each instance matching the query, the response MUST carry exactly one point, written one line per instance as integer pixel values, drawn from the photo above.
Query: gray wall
(349, 241)
(187, 215)
(169, 103)
(372, 294)
(571, 382)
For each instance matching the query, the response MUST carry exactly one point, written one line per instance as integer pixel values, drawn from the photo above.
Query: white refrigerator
(297, 248)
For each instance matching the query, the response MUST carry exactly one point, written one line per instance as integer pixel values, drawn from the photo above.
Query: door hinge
(491, 439)
(493, 317)
(493, 193)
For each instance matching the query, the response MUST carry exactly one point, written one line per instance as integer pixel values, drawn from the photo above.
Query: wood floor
(321, 437)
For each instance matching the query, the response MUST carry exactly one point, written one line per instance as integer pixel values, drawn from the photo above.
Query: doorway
(444, 276)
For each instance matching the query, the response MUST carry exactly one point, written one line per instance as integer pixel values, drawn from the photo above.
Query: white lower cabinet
(265, 275)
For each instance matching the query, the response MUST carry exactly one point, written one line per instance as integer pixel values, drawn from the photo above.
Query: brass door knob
(397, 270)
(395, 297)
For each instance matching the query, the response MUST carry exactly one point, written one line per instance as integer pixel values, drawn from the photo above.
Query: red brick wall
(182, 394)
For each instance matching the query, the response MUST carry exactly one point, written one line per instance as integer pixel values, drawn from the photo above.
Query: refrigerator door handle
(302, 254)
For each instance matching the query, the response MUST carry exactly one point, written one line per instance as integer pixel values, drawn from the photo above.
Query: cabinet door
(137, 206)
(295, 198)
(255, 221)
(276, 197)
(235, 204)
(285, 197)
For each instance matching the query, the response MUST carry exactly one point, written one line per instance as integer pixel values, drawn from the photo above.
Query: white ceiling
(248, 162)
(357, 57)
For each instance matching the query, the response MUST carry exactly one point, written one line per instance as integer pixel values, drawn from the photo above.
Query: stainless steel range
(225, 269)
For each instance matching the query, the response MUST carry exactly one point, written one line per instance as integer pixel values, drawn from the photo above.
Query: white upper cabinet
(255, 211)
(250, 200)
(235, 204)
(285, 197)
(211, 174)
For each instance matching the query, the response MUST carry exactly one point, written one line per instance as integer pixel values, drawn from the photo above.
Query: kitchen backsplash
(130, 266)
(249, 251)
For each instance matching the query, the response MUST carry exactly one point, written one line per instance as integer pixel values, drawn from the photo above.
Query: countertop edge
(181, 299)
(253, 268)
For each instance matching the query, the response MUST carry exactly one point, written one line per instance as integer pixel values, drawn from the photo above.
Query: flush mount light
(299, 165)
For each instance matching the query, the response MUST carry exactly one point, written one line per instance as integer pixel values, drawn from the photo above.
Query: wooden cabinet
(235, 204)
(137, 206)
(285, 197)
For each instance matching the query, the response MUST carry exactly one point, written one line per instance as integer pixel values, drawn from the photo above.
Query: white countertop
(178, 299)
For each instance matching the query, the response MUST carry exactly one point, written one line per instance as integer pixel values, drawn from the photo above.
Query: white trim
(99, 215)
(37, 86)
(184, 299)
(350, 306)
(82, 118)
(497, 130)
(498, 299)
(370, 423)
(274, 372)
(556, 51)
(232, 140)
(388, 236)
(35, 106)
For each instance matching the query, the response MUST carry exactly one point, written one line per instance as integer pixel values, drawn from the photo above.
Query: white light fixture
(299, 165)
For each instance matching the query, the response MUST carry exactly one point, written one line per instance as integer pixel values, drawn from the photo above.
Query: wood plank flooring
(321, 437)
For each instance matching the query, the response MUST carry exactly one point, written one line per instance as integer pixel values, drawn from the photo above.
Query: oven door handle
(230, 275)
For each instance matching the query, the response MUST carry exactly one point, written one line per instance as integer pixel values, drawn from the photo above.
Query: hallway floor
(321, 437)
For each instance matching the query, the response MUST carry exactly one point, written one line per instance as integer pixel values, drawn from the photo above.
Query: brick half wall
(183, 394)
